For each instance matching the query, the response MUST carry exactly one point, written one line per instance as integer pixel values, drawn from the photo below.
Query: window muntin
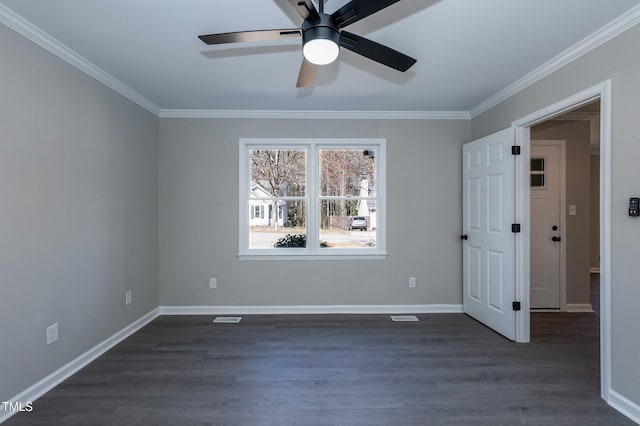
(309, 192)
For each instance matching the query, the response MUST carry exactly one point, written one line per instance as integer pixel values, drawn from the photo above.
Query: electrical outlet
(213, 283)
(52, 333)
(128, 298)
(412, 282)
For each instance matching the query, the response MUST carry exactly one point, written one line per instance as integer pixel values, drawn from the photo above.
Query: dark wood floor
(446, 369)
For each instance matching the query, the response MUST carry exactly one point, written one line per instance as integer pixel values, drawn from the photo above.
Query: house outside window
(309, 198)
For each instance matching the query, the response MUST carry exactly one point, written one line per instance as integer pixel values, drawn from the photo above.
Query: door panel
(488, 211)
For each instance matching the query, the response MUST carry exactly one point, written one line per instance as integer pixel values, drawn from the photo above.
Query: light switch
(572, 209)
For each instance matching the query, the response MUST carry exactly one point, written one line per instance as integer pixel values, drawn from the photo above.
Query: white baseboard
(579, 307)
(624, 405)
(52, 380)
(594, 270)
(309, 309)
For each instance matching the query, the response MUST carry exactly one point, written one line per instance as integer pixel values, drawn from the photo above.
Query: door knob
(464, 237)
(556, 239)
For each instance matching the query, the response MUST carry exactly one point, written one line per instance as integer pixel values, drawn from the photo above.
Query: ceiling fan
(322, 37)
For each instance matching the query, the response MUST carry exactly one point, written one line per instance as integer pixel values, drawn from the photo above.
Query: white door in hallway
(546, 225)
(489, 244)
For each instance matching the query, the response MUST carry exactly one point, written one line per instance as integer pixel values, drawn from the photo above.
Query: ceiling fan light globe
(321, 51)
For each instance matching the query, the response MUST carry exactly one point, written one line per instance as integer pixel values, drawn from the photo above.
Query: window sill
(307, 256)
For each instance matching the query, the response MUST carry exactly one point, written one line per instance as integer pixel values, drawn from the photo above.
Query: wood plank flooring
(446, 369)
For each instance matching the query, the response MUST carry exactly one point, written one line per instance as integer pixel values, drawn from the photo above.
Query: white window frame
(312, 199)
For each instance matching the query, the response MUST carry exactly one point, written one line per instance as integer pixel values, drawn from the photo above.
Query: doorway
(523, 127)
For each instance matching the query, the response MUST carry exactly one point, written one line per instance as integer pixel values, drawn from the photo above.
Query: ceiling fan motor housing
(322, 28)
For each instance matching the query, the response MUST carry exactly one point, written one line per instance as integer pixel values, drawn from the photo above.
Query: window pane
(537, 181)
(278, 218)
(278, 173)
(347, 172)
(341, 228)
(537, 164)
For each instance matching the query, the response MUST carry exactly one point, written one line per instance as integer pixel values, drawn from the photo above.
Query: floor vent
(404, 318)
(228, 320)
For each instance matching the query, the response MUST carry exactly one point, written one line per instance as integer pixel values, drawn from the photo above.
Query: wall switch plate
(52, 333)
(572, 210)
(412, 282)
(128, 298)
(213, 283)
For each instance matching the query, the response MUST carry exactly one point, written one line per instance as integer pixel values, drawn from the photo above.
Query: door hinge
(516, 306)
(515, 150)
(515, 228)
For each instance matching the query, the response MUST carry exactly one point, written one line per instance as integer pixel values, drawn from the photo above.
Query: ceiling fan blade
(305, 8)
(356, 10)
(242, 36)
(376, 51)
(307, 74)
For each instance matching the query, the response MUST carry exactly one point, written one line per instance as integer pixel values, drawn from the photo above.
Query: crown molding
(44, 40)
(598, 38)
(316, 115)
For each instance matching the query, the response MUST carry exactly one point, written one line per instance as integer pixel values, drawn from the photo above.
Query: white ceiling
(467, 50)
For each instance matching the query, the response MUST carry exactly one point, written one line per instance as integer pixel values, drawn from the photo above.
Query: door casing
(602, 92)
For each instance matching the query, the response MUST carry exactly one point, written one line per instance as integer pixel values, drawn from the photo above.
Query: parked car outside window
(358, 222)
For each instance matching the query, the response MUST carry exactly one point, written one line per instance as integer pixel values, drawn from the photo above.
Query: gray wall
(78, 212)
(610, 61)
(199, 218)
(578, 231)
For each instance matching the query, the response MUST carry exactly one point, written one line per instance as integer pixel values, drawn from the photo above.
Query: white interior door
(488, 213)
(546, 224)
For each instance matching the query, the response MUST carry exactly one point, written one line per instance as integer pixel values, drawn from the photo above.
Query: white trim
(316, 115)
(310, 309)
(624, 405)
(522, 246)
(346, 255)
(603, 92)
(54, 379)
(604, 34)
(44, 40)
(578, 307)
(594, 270)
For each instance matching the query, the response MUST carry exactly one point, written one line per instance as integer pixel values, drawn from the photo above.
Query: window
(538, 173)
(323, 198)
(257, 212)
